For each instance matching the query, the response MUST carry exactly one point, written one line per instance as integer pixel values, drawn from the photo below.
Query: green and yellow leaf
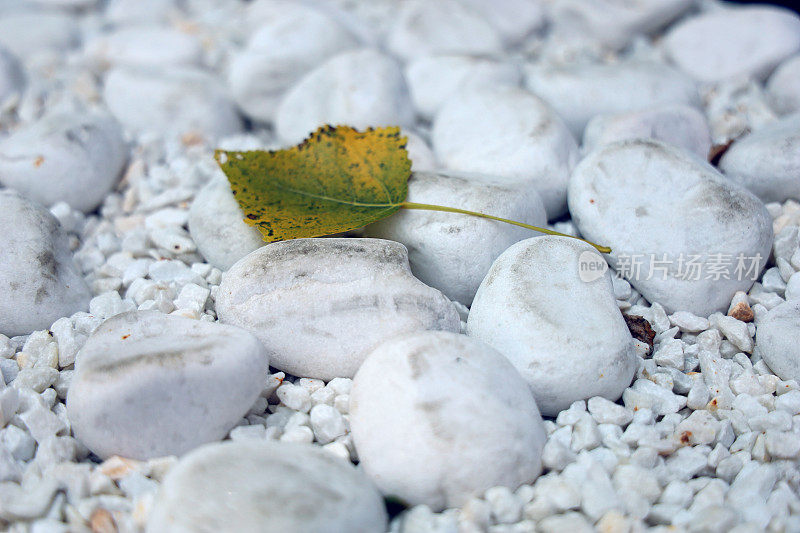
(337, 180)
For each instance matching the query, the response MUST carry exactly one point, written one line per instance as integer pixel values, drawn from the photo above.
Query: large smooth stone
(767, 161)
(291, 40)
(438, 417)
(665, 210)
(71, 157)
(783, 87)
(452, 252)
(580, 92)
(611, 22)
(12, 75)
(321, 305)
(236, 487)
(144, 46)
(216, 223)
(170, 101)
(678, 125)
(361, 88)
(511, 134)
(148, 384)
(39, 282)
(733, 43)
(432, 80)
(558, 325)
(424, 28)
(776, 340)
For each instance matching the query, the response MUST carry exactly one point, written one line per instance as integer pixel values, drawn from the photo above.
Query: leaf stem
(431, 207)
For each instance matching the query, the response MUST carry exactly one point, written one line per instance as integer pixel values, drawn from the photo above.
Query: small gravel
(116, 213)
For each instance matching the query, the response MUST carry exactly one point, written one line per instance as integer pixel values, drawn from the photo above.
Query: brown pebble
(640, 328)
(101, 521)
(742, 311)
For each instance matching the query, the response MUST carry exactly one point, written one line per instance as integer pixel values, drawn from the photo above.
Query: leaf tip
(221, 156)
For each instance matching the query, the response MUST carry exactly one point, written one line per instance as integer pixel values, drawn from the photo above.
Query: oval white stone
(443, 27)
(660, 207)
(291, 40)
(767, 161)
(511, 134)
(737, 42)
(28, 32)
(432, 80)
(148, 384)
(144, 46)
(175, 101)
(678, 125)
(776, 340)
(72, 157)
(452, 252)
(359, 88)
(559, 325)
(783, 87)
(579, 92)
(320, 305)
(438, 417)
(216, 223)
(611, 22)
(249, 486)
(39, 282)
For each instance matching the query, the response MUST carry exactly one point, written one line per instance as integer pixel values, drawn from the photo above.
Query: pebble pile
(162, 370)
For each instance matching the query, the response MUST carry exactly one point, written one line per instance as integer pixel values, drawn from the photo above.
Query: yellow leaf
(336, 180)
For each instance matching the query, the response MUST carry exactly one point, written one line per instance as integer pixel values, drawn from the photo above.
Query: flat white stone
(176, 100)
(39, 282)
(144, 46)
(565, 336)
(680, 125)
(508, 133)
(767, 161)
(776, 340)
(12, 75)
(432, 427)
(735, 42)
(72, 157)
(452, 252)
(148, 384)
(580, 92)
(783, 87)
(443, 27)
(359, 88)
(216, 223)
(432, 80)
(247, 486)
(658, 207)
(321, 305)
(290, 40)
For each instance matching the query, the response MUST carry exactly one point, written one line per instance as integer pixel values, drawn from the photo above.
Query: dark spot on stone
(41, 294)
(640, 328)
(417, 363)
(47, 264)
